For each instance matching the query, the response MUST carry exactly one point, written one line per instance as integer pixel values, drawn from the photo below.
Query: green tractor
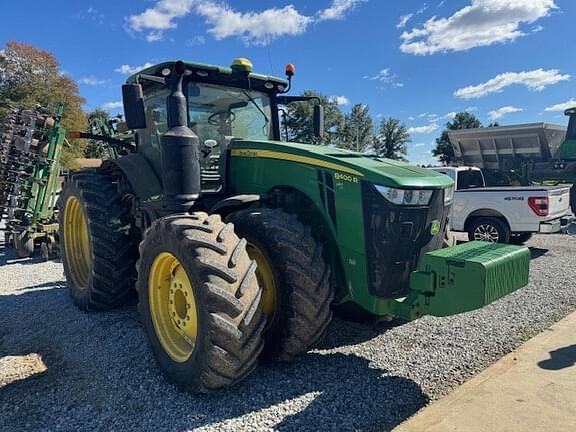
(239, 244)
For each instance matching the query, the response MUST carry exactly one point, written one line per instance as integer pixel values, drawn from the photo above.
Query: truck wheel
(520, 238)
(24, 244)
(573, 199)
(489, 229)
(199, 301)
(294, 278)
(97, 251)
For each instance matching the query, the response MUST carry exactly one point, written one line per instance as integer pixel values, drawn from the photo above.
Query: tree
(299, 119)
(358, 132)
(30, 76)
(391, 140)
(444, 151)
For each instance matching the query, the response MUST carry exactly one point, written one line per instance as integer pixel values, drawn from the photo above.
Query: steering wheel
(215, 118)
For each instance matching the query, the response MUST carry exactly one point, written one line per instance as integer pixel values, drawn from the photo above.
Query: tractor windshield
(221, 113)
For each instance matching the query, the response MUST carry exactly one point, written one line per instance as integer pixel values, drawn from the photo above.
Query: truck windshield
(219, 113)
(470, 179)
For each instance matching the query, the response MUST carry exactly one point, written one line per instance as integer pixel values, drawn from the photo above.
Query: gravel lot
(61, 369)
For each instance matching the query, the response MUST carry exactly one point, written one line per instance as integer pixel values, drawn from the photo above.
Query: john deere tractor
(238, 244)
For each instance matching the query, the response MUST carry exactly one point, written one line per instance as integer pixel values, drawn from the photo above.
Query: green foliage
(299, 119)
(463, 120)
(358, 131)
(30, 76)
(391, 140)
(94, 148)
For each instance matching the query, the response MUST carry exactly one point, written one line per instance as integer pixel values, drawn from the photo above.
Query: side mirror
(133, 100)
(318, 121)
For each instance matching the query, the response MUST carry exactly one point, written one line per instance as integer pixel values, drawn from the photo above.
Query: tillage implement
(30, 149)
(239, 244)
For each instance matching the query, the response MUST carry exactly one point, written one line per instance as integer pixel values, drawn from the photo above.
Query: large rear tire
(199, 301)
(294, 277)
(97, 250)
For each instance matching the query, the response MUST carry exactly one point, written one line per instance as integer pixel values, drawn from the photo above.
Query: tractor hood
(374, 169)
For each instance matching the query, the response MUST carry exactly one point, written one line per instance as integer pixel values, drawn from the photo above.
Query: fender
(237, 202)
(140, 174)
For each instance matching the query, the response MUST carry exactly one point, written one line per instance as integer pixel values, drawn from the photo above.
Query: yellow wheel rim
(267, 282)
(173, 307)
(77, 243)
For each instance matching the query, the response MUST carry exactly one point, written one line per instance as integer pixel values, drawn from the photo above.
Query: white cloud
(160, 17)
(404, 20)
(571, 103)
(501, 112)
(198, 40)
(423, 129)
(450, 115)
(337, 10)
(481, 23)
(419, 145)
(258, 28)
(340, 100)
(536, 80)
(112, 105)
(253, 27)
(385, 76)
(92, 81)
(129, 70)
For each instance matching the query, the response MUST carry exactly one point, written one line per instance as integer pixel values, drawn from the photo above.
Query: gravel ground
(96, 372)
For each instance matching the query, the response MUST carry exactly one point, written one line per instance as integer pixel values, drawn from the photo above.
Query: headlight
(408, 197)
(448, 195)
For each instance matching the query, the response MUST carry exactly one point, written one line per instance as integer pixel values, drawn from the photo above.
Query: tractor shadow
(99, 367)
(560, 358)
(536, 252)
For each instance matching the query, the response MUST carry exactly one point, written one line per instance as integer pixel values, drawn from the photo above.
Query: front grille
(396, 237)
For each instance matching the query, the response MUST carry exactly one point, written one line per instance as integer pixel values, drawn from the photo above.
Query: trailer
(534, 153)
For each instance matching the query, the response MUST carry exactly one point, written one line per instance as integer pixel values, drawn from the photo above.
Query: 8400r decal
(516, 198)
(346, 177)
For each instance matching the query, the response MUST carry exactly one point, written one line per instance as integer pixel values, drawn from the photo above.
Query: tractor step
(465, 277)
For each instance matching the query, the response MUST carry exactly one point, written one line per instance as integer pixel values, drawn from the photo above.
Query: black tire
(111, 271)
(7, 240)
(226, 294)
(573, 199)
(497, 226)
(302, 278)
(24, 244)
(520, 238)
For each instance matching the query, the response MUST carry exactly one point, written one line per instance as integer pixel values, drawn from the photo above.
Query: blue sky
(509, 60)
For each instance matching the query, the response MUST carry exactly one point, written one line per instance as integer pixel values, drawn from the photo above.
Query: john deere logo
(435, 227)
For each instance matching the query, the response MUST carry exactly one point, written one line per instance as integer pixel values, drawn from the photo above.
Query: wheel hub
(181, 305)
(173, 306)
(486, 233)
(77, 243)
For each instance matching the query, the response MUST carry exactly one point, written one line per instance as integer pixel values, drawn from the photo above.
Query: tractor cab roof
(239, 74)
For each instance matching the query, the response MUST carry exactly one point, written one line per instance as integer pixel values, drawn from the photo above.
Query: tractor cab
(219, 105)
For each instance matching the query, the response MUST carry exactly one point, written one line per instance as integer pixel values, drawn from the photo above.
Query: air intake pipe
(179, 148)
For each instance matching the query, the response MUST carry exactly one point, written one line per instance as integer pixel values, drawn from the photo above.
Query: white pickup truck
(504, 214)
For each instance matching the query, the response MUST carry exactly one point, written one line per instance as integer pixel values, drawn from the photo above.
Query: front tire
(295, 280)
(97, 250)
(199, 300)
(489, 229)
